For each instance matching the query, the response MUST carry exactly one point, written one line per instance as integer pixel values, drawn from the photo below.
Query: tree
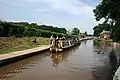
(90, 35)
(100, 27)
(109, 10)
(19, 29)
(85, 33)
(75, 31)
(68, 32)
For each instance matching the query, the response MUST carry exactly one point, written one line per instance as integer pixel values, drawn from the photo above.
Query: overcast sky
(60, 13)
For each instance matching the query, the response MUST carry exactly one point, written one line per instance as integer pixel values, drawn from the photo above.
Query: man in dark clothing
(56, 41)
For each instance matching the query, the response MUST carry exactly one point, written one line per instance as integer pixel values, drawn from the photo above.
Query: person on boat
(51, 40)
(56, 41)
(59, 43)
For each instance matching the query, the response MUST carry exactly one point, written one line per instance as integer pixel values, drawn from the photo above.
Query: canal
(82, 62)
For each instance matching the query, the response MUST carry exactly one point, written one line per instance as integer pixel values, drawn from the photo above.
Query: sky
(59, 13)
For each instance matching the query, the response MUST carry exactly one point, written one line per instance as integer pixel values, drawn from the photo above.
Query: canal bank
(18, 55)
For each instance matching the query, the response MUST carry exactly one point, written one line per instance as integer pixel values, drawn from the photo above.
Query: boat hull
(55, 50)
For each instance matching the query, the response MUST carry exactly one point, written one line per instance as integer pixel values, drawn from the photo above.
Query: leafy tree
(68, 32)
(90, 35)
(75, 31)
(100, 27)
(109, 10)
(20, 29)
(85, 33)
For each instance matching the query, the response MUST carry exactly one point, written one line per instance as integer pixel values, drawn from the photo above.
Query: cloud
(75, 7)
(61, 13)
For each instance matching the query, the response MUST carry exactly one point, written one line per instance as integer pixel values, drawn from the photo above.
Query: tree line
(20, 29)
(109, 10)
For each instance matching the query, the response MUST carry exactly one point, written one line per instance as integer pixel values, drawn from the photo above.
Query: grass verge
(11, 44)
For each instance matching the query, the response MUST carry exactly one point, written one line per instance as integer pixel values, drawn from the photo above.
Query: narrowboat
(61, 45)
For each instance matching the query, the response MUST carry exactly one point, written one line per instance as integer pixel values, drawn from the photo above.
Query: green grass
(11, 44)
(7, 50)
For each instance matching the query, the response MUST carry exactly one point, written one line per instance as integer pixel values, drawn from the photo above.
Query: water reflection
(9, 72)
(112, 49)
(102, 45)
(85, 42)
(56, 59)
(113, 61)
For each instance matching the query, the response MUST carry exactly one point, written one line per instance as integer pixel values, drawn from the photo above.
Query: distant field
(10, 44)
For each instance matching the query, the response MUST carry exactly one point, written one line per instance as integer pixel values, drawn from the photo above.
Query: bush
(25, 29)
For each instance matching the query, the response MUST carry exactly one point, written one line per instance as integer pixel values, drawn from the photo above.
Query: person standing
(56, 41)
(35, 40)
(51, 40)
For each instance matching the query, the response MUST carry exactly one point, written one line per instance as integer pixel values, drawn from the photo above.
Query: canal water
(88, 61)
